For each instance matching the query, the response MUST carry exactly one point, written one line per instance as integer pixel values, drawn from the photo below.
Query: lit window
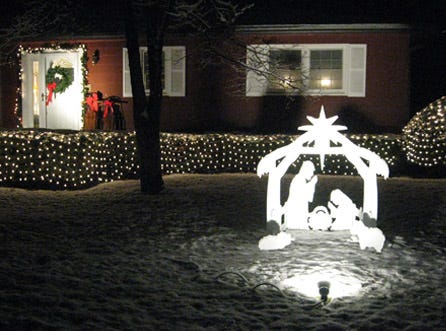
(314, 69)
(326, 70)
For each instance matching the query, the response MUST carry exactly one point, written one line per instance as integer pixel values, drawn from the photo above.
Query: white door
(65, 109)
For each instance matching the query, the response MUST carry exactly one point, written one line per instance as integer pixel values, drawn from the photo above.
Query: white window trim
(258, 86)
(168, 72)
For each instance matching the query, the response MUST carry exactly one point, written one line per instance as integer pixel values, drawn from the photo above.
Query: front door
(43, 106)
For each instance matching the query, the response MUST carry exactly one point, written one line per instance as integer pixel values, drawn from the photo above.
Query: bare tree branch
(242, 58)
(38, 19)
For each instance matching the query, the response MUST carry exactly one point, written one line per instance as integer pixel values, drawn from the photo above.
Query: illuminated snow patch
(278, 241)
(340, 285)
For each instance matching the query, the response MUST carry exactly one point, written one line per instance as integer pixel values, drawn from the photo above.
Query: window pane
(285, 69)
(146, 71)
(163, 71)
(325, 69)
(285, 59)
(177, 58)
(177, 82)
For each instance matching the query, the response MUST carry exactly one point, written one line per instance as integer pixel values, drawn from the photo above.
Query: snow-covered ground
(110, 257)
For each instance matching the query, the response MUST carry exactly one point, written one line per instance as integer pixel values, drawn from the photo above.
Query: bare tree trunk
(146, 113)
(156, 16)
(152, 122)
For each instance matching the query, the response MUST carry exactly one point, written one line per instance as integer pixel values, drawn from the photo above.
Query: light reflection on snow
(354, 276)
(341, 284)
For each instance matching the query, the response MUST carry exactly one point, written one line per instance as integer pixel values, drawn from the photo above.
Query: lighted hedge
(43, 159)
(424, 137)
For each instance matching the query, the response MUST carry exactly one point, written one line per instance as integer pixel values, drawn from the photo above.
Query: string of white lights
(55, 160)
(425, 136)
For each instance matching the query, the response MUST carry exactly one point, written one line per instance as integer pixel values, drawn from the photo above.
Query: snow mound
(278, 241)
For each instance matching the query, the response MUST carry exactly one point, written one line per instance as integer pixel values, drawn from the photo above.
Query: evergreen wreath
(62, 82)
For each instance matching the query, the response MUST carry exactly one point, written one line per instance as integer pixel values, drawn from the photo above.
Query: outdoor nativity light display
(322, 138)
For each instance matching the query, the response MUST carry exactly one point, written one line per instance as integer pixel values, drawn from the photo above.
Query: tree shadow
(356, 121)
(279, 114)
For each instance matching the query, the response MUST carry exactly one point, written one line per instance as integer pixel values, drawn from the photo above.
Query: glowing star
(321, 133)
(321, 138)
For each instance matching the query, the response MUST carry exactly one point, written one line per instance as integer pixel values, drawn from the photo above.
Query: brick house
(359, 71)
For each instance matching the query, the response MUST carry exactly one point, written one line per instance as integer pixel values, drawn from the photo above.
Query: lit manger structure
(321, 138)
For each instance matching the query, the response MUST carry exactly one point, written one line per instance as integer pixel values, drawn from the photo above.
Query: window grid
(285, 69)
(145, 70)
(336, 69)
(314, 69)
(326, 69)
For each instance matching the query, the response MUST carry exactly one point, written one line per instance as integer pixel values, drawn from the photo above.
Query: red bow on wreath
(92, 102)
(51, 87)
(108, 106)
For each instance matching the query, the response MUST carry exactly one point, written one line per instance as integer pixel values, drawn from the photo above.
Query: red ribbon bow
(108, 106)
(50, 87)
(92, 102)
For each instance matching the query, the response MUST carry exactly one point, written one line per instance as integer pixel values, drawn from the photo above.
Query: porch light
(96, 57)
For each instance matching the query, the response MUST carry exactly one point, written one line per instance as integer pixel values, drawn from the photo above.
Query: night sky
(414, 12)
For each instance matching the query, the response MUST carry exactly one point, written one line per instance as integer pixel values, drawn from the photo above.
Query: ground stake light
(324, 290)
(321, 138)
(324, 285)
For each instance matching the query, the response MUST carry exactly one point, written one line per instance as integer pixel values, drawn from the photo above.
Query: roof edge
(302, 28)
(73, 38)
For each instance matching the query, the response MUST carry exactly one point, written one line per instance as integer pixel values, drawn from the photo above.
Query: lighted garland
(53, 160)
(51, 48)
(85, 85)
(62, 77)
(425, 136)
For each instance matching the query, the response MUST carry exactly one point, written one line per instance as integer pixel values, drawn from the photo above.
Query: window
(287, 64)
(314, 69)
(145, 71)
(326, 69)
(173, 76)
